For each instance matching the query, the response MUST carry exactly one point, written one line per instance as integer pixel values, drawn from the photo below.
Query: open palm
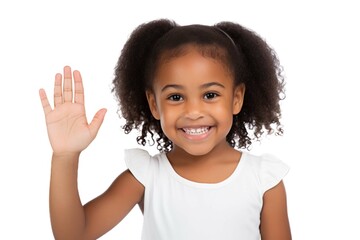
(67, 126)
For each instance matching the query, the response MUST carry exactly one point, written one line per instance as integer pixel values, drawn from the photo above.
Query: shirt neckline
(188, 182)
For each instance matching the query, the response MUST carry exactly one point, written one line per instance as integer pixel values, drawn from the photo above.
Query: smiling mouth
(196, 131)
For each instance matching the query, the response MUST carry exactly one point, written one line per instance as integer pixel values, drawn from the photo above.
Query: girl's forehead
(191, 68)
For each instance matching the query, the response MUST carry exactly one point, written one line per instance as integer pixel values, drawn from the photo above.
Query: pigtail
(262, 75)
(130, 83)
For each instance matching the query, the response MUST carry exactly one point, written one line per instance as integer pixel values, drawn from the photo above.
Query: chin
(197, 150)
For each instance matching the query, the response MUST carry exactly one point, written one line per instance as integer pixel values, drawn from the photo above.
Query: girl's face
(195, 99)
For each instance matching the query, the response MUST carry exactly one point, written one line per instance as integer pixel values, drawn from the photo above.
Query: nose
(194, 110)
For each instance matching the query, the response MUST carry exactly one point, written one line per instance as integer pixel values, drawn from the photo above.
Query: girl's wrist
(66, 156)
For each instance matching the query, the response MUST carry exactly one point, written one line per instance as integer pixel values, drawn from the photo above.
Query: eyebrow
(180, 87)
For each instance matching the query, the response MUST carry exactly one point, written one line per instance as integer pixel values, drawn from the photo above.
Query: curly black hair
(247, 56)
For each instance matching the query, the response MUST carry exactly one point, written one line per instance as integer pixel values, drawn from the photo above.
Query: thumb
(97, 121)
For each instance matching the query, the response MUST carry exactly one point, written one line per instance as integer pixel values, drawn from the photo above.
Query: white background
(318, 46)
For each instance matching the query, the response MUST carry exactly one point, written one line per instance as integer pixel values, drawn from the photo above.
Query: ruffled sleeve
(138, 162)
(271, 172)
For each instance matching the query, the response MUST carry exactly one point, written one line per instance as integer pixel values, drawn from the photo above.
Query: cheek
(223, 113)
(167, 118)
(224, 107)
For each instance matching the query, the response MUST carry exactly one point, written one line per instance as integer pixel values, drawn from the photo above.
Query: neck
(223, 151)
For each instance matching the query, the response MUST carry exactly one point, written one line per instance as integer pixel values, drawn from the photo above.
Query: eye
(175, 97)
(210, 95)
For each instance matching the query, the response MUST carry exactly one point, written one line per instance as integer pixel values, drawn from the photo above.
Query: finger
(67, 91)
(58, 90)
(79, 88)
(44, 101)
(97, 121)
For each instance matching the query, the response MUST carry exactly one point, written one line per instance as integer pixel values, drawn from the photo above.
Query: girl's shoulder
(141, 163)
(268, 168)
(138, 161)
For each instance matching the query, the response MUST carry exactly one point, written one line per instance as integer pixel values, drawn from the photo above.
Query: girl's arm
(274, 218)
(69, 134)
(71, 220)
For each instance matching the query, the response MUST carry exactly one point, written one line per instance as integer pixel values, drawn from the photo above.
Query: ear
(239, 94)
(152, 104)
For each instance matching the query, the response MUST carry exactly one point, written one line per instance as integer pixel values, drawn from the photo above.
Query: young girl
(199, 92)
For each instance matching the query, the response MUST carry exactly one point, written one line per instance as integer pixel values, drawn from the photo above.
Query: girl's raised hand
(67, 126)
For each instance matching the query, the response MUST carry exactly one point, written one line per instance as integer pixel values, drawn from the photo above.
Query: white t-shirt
(177, 208)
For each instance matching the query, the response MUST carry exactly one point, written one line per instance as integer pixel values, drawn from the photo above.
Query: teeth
(196, 131)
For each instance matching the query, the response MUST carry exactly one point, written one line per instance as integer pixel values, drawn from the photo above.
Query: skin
(189, 92)
(69, 134)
